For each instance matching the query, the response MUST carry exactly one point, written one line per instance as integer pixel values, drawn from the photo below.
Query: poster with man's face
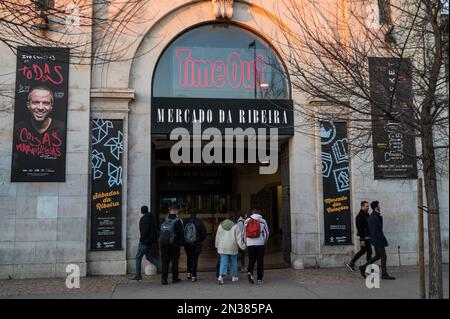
(40, 115)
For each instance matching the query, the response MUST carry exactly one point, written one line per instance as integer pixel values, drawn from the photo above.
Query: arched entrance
(224, 76)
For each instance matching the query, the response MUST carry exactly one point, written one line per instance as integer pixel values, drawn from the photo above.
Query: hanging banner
(40, 115)
(336, 183)
(394, 148)
(106, 184)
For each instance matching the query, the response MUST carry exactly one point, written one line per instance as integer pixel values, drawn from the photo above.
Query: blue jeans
(224, 259)
(147, 251)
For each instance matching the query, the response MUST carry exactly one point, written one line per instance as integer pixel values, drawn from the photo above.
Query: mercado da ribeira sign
(171, 113)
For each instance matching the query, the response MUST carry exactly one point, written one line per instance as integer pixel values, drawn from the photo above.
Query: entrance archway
(227, 67)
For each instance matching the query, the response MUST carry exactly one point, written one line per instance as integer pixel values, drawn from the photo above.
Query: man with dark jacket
(378, 240)
(147, 240)
(194, 235)
(171, 237)
(362, 225)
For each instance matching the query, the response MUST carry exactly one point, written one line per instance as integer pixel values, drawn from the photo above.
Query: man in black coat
(378, 241)
(147, 240)
(170, 240)
(362, 225)
(193, 242)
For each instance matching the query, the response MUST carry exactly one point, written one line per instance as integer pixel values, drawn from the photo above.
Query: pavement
(334, 283)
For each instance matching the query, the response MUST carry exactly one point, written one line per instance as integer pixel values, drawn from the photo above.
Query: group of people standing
(370, 232)
(235, 235)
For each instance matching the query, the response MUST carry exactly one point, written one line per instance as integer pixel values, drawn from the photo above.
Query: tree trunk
(434, 227)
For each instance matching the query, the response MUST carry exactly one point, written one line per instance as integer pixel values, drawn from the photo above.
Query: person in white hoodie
(228, 241)
(256, 235)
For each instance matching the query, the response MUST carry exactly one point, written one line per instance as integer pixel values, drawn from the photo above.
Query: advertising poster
(336, 183)
(40, 115)
(106, 184)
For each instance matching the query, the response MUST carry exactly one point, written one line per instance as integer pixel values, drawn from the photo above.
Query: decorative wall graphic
(327, 164)
(336, 186)
(106, 184)
(340, 151)
(97, 159)
(40, 115)
(100, 129)
(394, 148)
(116, 145)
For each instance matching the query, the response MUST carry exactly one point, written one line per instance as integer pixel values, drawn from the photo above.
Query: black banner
(394, 148)
(171, 113)
(336, 183)
(106, 184)
(40, 115)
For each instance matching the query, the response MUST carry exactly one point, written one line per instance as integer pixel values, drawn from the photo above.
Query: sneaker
(350, 266)
(260, 281)
(220, 280)
(362, 270)
(250, 278)
(387, 277)
(136, 278)
(194, 279)
(234, 279)
(164, 282)
(174, 281)
(189, 276)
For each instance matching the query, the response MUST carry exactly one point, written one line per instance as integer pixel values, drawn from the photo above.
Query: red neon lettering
(236, 73)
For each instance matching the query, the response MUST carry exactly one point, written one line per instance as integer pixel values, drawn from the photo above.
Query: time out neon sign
(234, 72)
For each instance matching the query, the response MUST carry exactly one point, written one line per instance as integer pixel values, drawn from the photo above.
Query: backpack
(190, 233)
(253, 228)
(167, 231)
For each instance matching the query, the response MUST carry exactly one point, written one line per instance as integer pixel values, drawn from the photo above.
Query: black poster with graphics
(394, 148)
(106, 184)
(40, 115)
(336, 183)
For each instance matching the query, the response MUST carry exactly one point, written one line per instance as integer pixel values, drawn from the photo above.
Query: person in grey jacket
(378, 241)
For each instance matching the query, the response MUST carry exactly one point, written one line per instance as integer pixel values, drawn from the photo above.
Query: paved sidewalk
(281, 283)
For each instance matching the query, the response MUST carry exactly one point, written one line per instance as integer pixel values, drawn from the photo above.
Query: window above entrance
(220, 61)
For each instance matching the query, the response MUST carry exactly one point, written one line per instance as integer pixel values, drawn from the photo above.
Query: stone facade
(40, 240)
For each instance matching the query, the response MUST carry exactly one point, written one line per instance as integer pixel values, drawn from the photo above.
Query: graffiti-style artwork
(40, 115)
(106, 184)
(336, 183)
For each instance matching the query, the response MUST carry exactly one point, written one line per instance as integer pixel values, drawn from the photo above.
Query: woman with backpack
(194, 235)
(228, 240)
(256, 234)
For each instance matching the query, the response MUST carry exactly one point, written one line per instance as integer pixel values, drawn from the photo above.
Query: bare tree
(328, 53)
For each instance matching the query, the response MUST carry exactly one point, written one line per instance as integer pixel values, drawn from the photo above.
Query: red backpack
(253, 228)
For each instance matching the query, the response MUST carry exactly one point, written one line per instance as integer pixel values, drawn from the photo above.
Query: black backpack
(167, 231)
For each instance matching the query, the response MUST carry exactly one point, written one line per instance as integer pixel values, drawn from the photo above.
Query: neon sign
(234, 72)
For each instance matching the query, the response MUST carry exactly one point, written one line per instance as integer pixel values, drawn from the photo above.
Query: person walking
(241, 252)
(362, 226)
(228, 240)
(194, 235)
(147, 240)
(171, 237)
(378, 241)
(256, 234)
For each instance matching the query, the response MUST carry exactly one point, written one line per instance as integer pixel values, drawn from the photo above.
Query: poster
(394, 148)
(106, 184)
(336, 183)
(40, 115)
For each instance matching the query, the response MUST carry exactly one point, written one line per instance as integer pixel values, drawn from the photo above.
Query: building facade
(44, 226)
